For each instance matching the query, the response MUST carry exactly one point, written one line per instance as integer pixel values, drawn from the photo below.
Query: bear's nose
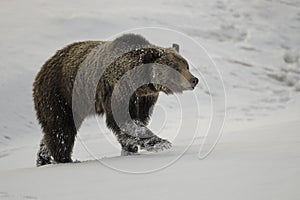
(194, 81)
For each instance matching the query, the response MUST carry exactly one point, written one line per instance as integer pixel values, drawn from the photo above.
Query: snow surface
(255, 45)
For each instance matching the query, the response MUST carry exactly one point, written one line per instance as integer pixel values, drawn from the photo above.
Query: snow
(255, 46)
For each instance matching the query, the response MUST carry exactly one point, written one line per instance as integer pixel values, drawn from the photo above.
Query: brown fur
(54, 89)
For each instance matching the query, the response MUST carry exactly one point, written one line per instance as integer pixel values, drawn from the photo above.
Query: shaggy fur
(70, 74)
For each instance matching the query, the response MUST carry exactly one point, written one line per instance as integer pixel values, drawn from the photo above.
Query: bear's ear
(150, 55)
(176, 47)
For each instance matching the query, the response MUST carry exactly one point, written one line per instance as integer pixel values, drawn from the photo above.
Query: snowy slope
(255, 46)
(262, 164)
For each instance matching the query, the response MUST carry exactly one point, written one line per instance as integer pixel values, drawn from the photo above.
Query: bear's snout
(194, 81)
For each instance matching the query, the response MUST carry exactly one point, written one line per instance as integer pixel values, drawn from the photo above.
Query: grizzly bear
(120, 79)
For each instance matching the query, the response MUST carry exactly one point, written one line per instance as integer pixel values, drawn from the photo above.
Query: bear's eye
(176, 66)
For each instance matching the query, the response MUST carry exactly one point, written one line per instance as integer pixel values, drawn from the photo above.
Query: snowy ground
(255, 45)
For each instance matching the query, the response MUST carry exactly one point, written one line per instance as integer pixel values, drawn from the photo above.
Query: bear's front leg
(147, 140)
(129, 144)
(133, 134)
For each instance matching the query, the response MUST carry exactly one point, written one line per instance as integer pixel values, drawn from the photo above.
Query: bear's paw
(155, 144)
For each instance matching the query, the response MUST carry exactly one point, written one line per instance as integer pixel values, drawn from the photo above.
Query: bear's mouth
(161, 88)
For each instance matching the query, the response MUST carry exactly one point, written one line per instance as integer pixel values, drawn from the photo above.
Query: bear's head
(169, 71)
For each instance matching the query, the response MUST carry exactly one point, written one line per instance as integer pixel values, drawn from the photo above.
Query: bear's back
(88, 59)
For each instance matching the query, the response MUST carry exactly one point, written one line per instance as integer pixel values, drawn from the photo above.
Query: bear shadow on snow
(120, 79)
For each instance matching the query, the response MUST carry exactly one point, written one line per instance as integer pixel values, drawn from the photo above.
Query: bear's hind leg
(43, 155)
(60, 140)
(59, 134)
